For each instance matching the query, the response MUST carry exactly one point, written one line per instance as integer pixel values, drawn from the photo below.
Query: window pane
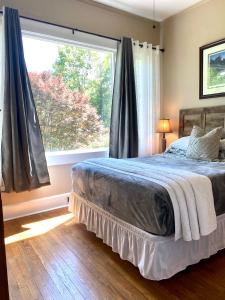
(72, 88)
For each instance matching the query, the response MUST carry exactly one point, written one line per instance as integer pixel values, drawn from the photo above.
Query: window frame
(55, 158)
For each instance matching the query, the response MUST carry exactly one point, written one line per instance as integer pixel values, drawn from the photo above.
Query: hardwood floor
(54, 258)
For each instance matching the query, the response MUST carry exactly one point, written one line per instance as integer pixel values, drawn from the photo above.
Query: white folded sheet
(192, 198)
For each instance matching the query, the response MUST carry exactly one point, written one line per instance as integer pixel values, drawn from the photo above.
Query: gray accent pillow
(222, 145)
(222, 150)
(204, 146)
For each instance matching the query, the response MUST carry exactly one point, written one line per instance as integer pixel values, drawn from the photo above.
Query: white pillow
(179, 145)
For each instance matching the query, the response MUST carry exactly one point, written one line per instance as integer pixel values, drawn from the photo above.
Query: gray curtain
(124, 125)
(24, 164)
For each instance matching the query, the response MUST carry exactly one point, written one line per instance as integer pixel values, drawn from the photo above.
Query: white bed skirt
(156, 257)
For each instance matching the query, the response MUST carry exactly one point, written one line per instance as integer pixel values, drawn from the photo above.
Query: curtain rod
(77, 29)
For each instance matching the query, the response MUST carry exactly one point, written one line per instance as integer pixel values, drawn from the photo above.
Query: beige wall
(88, 16)
(60, 177)
(182, 35)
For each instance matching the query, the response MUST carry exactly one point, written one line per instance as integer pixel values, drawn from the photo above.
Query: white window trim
(70, 157)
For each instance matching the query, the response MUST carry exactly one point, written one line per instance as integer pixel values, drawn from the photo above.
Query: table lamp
(164, 127)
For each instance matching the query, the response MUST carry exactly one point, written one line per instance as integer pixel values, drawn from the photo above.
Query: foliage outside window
(72, 92)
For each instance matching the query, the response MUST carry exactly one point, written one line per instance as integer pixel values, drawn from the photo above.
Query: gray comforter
(118, 187)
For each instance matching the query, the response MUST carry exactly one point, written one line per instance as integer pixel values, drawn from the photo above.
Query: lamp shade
(164, 126)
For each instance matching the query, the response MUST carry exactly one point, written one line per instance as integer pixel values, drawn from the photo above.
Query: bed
(131, 206)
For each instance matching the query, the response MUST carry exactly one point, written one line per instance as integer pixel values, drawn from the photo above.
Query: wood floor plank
(19, 276)
(68, 262)
(37, 271)
(56, 269)
(87, 275)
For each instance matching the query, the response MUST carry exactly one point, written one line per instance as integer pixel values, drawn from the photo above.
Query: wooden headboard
(206, 117)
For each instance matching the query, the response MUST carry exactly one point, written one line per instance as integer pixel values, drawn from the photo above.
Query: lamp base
(163, 144)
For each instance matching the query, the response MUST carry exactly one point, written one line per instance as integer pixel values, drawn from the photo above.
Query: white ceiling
(144, 8)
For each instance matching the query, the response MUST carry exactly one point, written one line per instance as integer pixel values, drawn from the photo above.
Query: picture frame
(212, 70)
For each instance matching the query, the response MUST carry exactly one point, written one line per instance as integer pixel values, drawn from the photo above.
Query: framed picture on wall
(212, 70)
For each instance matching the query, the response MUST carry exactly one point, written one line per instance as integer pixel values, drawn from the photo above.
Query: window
(72, 88)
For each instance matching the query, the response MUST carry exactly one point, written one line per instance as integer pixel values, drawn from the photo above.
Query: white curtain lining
(147, 78)
(156, 257)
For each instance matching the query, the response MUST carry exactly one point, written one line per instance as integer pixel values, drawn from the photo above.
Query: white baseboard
(14, 211)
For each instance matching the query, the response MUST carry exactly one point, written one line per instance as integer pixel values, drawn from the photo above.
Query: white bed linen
(156, 257)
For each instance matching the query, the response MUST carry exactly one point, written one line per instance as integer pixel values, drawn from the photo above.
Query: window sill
(74, 156)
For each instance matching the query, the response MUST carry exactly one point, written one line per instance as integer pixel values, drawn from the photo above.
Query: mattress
(117, 187)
